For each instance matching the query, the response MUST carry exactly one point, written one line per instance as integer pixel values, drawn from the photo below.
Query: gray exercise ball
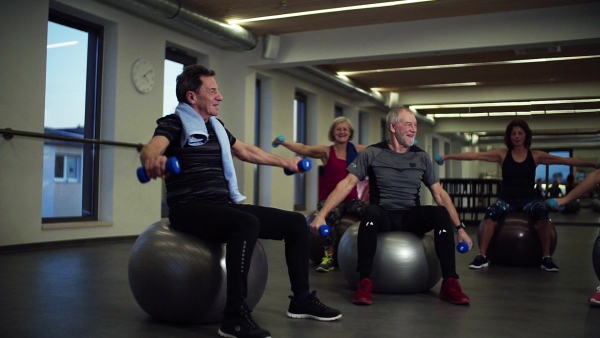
(179, 278)
(403, 262)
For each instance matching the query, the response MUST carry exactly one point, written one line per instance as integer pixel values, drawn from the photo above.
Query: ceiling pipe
(350, 88)
(174, 15)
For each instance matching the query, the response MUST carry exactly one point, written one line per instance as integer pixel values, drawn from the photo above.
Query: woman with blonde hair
(335, 158)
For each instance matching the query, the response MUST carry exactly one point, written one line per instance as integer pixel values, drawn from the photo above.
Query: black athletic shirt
(518, 179)
(201, 178)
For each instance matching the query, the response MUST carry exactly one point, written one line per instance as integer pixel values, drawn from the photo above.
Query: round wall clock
(142, 75)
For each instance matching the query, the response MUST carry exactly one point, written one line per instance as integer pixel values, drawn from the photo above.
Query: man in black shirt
(202, 200)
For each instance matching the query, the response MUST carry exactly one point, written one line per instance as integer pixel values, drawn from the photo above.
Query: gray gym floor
(83, 291)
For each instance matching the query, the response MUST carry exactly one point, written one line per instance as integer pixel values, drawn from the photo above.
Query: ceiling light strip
(459, 65)
(517, 113)
(504, 113)
(499, 104)
(323, 11)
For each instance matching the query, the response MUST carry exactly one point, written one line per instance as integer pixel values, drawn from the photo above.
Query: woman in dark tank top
(518, 193)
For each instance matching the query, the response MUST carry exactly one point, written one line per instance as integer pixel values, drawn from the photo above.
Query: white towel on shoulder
(195, 134)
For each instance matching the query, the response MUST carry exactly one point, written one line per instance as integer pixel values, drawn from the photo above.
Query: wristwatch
(460, 226)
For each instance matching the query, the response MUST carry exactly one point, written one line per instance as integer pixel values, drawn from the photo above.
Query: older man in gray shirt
(396, 168)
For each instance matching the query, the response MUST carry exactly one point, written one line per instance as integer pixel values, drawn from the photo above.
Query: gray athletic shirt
(394, 178)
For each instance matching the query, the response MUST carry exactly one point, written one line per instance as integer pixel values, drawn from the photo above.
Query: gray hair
(393, 117)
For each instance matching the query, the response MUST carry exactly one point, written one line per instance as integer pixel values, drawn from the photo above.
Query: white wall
(22, 73)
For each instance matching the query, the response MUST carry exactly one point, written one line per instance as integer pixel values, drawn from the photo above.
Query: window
(73, 69)
(363, 127)
(66, 168)
(257, 128)
(175, 60)
(172, 69)
(435, 149)
(554, 172)
(384, 129)
(300, 111)
(338, 111)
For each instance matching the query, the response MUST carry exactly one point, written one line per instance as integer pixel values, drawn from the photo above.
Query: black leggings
(239, 226)
(418, 220)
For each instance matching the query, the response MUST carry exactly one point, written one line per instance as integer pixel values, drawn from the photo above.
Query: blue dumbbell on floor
(553, 203)
(280, 138)
(438, 159)
(305, 164)
(172, 166)
(462, 247)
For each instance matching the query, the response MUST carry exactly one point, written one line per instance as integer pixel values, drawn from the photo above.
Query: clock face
(142, 74)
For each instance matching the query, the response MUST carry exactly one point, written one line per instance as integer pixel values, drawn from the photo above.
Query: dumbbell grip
(438, 159)
(553, 203)
(324, 230)
(462, 247)
(172, 167)
(303, 165)
(280, 138)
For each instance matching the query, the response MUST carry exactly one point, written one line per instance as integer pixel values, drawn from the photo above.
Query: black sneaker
(479, 262)
(312, 308)
(548, 264)
(242, 326)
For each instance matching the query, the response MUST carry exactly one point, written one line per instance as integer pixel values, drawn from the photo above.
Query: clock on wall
(142, 75)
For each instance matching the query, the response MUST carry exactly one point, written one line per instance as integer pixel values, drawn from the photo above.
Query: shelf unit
(471, 197)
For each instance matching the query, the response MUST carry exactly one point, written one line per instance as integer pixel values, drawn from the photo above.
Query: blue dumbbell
(304, 165)
(438, 159)
(462, 247)
(324, 230)
(280, 138)
(553, 203)
(172, 166)
(416, 143)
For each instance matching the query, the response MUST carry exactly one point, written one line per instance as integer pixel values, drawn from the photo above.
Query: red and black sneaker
(452, 292)
(595, 299)
(364, 292)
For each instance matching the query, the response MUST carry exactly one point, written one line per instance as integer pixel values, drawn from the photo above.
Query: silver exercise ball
(403, 262)
(177, 277)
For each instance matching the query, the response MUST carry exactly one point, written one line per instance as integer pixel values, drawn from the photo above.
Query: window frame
(338, 111)
(64, 178)
(257, 128)
(177, 55)
(92, 120)
(300, 122)
(547, 179)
